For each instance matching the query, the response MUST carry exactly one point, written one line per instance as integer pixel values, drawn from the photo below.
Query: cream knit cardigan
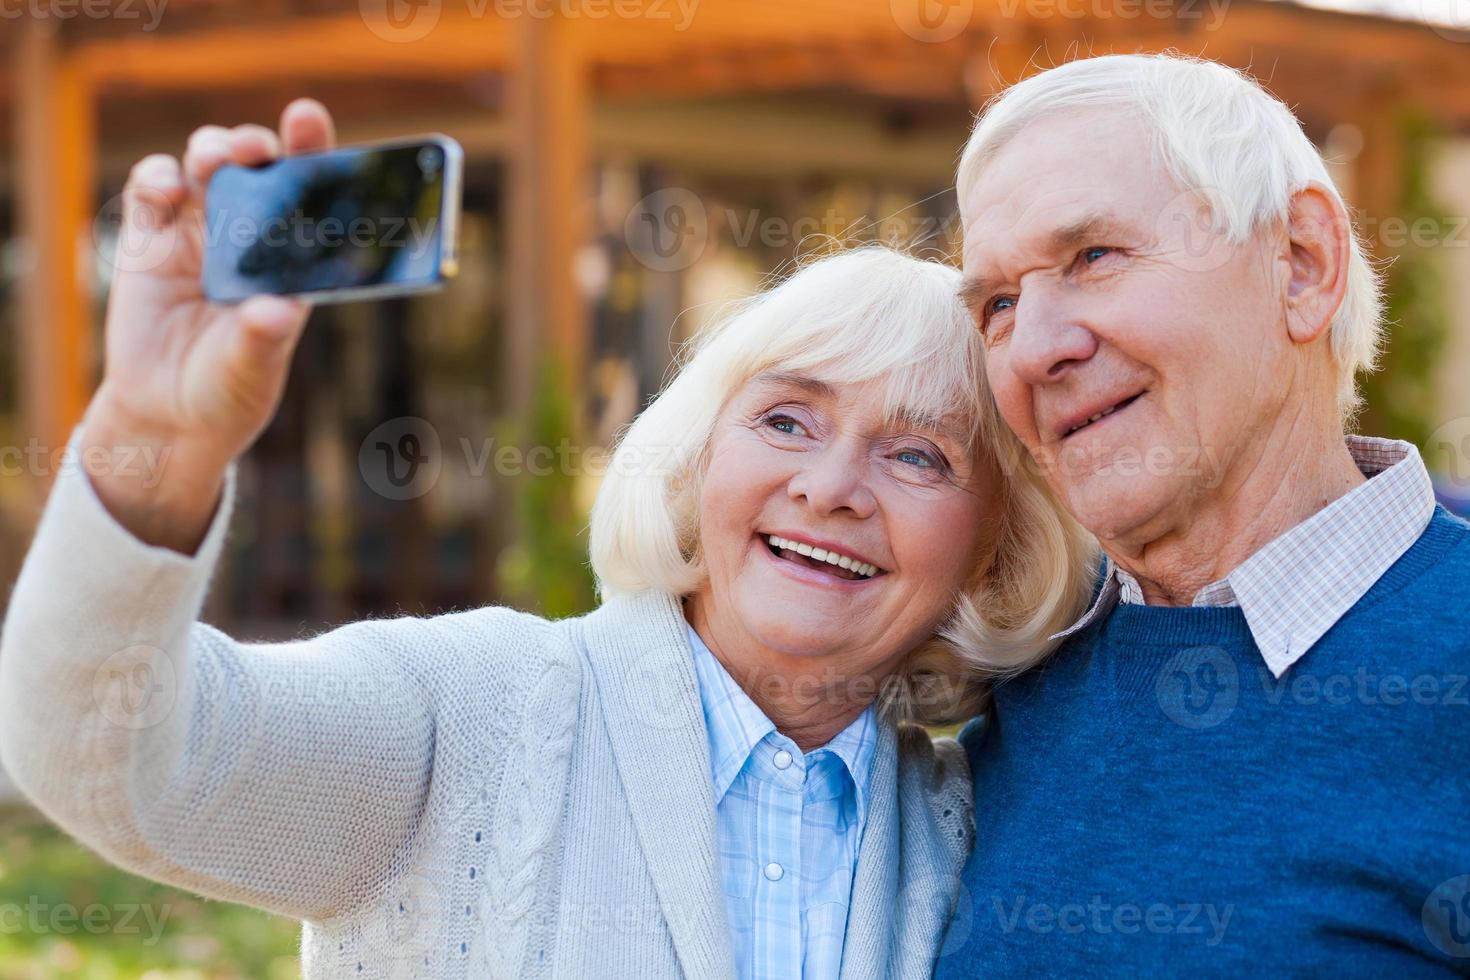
(477, 794)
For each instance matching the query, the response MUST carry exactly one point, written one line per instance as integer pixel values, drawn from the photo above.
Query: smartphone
(356, 222)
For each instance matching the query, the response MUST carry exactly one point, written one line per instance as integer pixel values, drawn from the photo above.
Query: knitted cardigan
(476, 794)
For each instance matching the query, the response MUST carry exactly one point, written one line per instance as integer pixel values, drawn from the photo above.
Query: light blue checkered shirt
(789, 827)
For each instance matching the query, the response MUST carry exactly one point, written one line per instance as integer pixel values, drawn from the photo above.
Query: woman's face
(816, 465)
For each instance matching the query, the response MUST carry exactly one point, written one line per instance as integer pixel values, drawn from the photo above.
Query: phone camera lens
(429, 160)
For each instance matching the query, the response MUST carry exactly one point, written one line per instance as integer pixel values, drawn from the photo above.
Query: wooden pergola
(68, 77)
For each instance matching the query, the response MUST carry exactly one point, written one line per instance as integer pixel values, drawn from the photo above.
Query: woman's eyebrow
(921, 421)
(791, 379)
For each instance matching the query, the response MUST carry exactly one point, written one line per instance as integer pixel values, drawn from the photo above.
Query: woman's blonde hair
(868, 314)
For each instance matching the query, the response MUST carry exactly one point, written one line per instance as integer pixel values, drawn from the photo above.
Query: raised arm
(288, 776)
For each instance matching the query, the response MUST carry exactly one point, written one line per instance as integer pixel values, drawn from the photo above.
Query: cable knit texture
(477, 794)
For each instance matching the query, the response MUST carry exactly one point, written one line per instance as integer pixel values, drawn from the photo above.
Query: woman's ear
(1318, 238)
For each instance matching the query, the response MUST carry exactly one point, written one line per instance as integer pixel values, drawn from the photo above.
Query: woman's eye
(1091, 255)
(1000, 304)
(786, 424)
(917, 457)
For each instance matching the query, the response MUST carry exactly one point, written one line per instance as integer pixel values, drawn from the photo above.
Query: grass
(66, 914)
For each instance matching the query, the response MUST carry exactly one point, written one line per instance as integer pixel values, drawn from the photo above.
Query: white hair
(1217, 132)
(869, 314)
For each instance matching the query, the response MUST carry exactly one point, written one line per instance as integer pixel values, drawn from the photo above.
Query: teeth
(1102, 414)
(821, 554)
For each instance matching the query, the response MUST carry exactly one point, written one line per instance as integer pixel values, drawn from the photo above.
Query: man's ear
(1318, 235)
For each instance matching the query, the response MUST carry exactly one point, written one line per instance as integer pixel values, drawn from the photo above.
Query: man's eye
(999, 305)
(1091, 255)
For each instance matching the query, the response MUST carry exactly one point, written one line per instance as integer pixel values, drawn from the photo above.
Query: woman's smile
(787, 556)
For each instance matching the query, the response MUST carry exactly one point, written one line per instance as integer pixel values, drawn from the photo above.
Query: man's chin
(1113, 507)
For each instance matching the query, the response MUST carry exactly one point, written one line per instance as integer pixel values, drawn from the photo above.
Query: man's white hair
(1217, 133)
(869, 314)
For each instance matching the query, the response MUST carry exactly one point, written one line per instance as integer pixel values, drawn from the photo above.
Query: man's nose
(1050, 337)
(835, 480)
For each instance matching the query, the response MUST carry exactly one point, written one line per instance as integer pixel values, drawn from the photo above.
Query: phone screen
(348, 219)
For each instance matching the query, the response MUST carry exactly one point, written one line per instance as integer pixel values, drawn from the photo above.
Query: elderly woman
(806, 540)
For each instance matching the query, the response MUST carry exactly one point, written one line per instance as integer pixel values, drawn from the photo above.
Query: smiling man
(1251, 753)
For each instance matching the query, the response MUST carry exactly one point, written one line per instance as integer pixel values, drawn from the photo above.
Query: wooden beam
(339, 47)
(548, 191)
(54, 196)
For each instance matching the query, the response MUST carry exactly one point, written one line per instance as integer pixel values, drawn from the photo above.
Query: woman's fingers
(251, 144)
(208, 150)
(154, 189)
(306, 126)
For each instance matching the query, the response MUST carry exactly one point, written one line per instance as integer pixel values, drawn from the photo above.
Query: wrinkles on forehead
(1046, 243)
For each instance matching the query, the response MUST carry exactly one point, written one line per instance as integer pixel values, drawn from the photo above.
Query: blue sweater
(1153, 802)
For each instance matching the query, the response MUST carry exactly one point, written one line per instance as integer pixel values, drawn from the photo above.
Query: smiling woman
(807, 538)
(846, 410)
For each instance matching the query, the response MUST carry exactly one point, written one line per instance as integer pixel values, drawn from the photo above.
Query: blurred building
(629, 164)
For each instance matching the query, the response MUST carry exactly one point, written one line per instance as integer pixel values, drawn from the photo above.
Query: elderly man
(1253, 752)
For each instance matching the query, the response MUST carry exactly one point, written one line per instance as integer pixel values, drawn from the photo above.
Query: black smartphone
(356, 222)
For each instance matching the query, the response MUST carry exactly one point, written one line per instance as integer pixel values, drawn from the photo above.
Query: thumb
(269, 327)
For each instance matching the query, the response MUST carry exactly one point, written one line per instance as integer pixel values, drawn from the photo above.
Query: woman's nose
(835, 479)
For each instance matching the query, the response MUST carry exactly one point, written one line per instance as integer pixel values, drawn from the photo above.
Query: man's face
(1102, 291)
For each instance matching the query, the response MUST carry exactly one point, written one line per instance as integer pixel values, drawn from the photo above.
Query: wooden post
(547, 205)
(56, 141)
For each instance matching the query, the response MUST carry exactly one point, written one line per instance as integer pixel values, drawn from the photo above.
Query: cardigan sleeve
(291, 776)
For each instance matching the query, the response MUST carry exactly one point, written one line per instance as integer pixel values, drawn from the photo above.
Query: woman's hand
(185, 377)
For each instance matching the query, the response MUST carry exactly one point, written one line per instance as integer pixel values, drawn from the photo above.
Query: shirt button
(782, 759)
(774, 871)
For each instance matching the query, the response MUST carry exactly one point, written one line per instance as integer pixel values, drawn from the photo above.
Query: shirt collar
(1293, 589)
(737, 728)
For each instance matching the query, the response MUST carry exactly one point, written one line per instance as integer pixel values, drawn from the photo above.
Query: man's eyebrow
(1091, 228)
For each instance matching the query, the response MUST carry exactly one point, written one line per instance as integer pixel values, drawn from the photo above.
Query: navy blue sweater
(1153, 802)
